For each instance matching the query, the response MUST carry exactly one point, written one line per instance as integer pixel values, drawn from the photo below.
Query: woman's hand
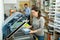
(33, 31)
(29, 27)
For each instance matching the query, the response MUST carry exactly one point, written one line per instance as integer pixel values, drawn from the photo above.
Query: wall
(1, 17)
(10, 1)
(21, 2)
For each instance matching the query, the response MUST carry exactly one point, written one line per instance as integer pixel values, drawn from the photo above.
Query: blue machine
(17, 17)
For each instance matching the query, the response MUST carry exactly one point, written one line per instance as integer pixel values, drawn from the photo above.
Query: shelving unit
(54, 14)
(52, 9)
(46, 12)
(57, 19)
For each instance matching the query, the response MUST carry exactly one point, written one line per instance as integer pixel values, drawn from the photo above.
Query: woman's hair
(37, 10)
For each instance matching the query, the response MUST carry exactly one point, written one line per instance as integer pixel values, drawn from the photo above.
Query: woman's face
(34, 13)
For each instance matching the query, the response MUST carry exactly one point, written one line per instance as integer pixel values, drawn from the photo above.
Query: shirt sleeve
(42, 23)
(29, 11)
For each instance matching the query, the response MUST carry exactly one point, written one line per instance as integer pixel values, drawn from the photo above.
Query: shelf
(57, 5)
(58, 8)
(51, 18)
(57, 30)
(51, 8)
(52, 14)
(58, 27)
(47, 11)
(48, 33)
(51, 25)
(56, 24)
(57, 21)
(53, 11)
(54, 2)
(52, 5)
(57, 12)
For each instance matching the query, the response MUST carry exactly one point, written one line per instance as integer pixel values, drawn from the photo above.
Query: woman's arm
(33, 31)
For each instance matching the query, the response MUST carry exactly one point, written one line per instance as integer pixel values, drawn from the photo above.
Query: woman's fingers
(29, 27)
(31, 31)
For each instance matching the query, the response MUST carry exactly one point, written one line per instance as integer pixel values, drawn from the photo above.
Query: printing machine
(8, 27)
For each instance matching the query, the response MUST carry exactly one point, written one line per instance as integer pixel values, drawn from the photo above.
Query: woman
(37, 24)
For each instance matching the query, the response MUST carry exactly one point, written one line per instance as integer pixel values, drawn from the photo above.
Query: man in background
(27, 11)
